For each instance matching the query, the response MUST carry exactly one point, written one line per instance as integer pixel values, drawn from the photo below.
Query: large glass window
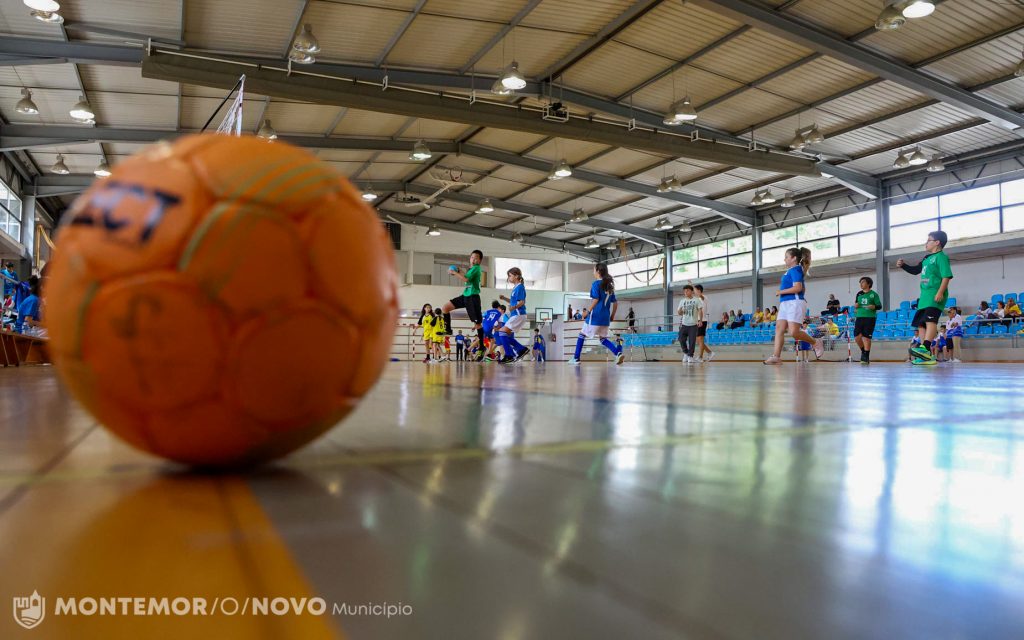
(1012, 192)
(969, 213)
(910, 235)
(713, 259)
(972, 225)
(912, 211)
(1013, 218)
(969, 200)
(637, 273)
(10, 212)
(846, 235)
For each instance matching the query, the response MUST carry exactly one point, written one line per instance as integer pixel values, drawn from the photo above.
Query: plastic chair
(996, 298)
(1000, 329)
(951, 302)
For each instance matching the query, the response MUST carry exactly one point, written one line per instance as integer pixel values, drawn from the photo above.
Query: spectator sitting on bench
(724, 323)
(738, 320)
(28, 310)
(1012, 308)
(984, 312)
(832, 306)
(757, 318)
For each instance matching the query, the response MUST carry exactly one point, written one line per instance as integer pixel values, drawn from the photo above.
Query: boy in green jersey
(866, 306)
(470, 298)
(935, 275)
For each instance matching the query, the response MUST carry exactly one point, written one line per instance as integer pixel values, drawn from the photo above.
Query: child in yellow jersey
(426, 322)
(439, 333)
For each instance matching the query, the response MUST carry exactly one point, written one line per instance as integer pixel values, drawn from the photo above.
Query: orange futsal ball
(221, 300)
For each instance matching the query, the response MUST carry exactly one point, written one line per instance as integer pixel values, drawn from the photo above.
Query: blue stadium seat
(1007, 296)
(1000, 329)
(950, 302)
(972, 330)
(996, 298)
(905, 305)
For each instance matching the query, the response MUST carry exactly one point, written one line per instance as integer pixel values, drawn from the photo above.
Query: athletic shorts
(594, 331)
(926, 315)
(438, 339)
(864, 327)
(472, 306)
(702, 329)
(515, 323)
(793, 310)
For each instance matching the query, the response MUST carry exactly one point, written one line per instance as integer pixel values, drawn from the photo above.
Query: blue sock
(499, 340)
(611, 346)
(579, 346)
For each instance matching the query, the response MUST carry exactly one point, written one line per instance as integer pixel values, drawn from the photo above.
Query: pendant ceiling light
(798, 142)
(82, 111)
(767, 197)
(59, 167)
(683, 111)
(578, 215)
(663, 186)
(49, 17)
(511, 78)
(306, 42)
(369, 194)
(902, 161)
(935, 164)
(674, 184)
(788, 202)
(592, 243)
(266, 131)
(26, 105)
(433, 231)
(559, 170)
(918, 8)
(1019, 72)
(42, 5)
(890, 19)
(756, 200)
(814, 136)
(663, 224)
(499, 89)
(485, 206)
(684, 227)
(917, 158)
(517, 237)
(420, 151)
(102, 170)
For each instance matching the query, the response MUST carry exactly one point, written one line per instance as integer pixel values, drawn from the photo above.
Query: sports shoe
(572, 361)
(819, 348)
(955, 360)
(619, 359)
(711, 356)
(772, 360)
(920, 352)
(522, 354)
(923, 362)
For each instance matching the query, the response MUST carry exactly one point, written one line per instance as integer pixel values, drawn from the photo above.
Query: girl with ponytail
(793, 305)
(600, 315)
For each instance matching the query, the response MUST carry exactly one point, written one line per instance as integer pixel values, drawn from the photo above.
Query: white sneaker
(955, 360)
(711, 356)
(619, 359)
(572, 361)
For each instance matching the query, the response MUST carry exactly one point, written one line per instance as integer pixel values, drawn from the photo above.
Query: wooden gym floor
(541, 501)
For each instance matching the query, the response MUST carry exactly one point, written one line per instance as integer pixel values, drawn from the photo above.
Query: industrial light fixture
(592, 243)
(935, 164)
(902, 161)
(26, 105)
(896, 12)
(49, 17)
(59, 167)
(82, 111)
(420, 151)
(674, 184)
(578, 215)
(266, 131)
(433, 231)
(102, 170)
(788, 202)
(306, 42)
(559, 170)
(369, 194)
(756, 200)
(511, 78)
(1020, 67)
(680, 112)
(684, 227)
(663, 224)
(767, 197)
(499, 89)
(918, 8)
(42, 5)
(301, 58)
(485, 206)
(813, 135)
(516, 237)
(917, 158)
(799, 142)
(663, 186)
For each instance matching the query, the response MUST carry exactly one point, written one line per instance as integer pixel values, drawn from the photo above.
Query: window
(1013, 218)
(818, 229)
(713, 259)
(773, 257)
(854, 222)
(1012, 192)
(910, 235)
(10, 212)
(913, 211)
(972, 224)
(865, 242)
(637, 273)
(779, 237)
(969, 200)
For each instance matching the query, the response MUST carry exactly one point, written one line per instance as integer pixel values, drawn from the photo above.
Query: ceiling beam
(419, 104)
(397, 35)
(515, 207)
(827, 43)
(482, 51)
(731, 211)
(474, 230)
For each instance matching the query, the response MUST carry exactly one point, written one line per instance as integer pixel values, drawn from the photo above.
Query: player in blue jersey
(793, 305)
(490, 318)
(540, 352)
(506, 335)
(600, 315)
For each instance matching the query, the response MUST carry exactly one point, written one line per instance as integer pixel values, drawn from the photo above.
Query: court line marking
(350, 459)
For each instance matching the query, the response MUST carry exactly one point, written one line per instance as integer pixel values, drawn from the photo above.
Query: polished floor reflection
(542, 501)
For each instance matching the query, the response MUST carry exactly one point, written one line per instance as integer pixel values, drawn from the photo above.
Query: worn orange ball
(221, 300)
